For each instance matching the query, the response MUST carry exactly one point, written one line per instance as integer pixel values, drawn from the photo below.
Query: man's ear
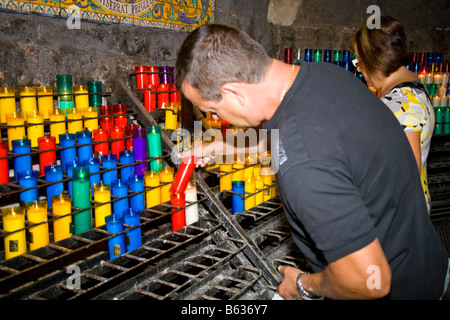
(235, 90)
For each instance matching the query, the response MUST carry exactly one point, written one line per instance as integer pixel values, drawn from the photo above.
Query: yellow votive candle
(90, 116)
(62, 210)
(45, 100)
(250, 187)
(153, 196)
(259, 184)
(237, 175)
(165, 175)
(268, 180)
(74, 123)
(37, 214)
(102, 194)
(35, 130)
(57, 123)
(225, 179)
(7, 102)
(15, 119)
(171, 116)
(27, 100)
(14, 220)
(81, 97)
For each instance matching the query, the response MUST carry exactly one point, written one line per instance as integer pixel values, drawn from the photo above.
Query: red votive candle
(119, 145)
(150, 97)
(4, 170)
(162, 96)
(49, 157)
(183, 175)
(141, 76)
(174, 96)
(106, 122)
(153, 76)
(122, 120)
(178, 215)
(129, 128)
(101, 148)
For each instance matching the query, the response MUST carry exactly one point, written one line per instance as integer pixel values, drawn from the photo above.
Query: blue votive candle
(116, 244)
(132, 218)
(119, 189)
(84, 152)
(94, 166)
(136, 184)
(28, 179)
(22, 163)
(53, 173)
(127, 158)
(67, 155)
(238, 204)
(109, 161)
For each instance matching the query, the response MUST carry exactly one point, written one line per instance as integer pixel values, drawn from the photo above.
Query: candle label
(13, 245)
(116, 249)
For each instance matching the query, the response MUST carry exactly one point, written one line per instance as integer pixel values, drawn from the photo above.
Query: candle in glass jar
(81, 97)
(119, 145)
(28, 179)
(54, 173)
(250, 188)
(238, 173)
(7, 102)
(132, 218)
(106, 119)
(4, 167)
(27, 100)
(129, 128)
(21, 163)
(162, 96)
(17, 130)
(140, 150)
(191, 211)
(259, 186)
(82, 199)
(37, 214)
(64, 89)
(100, 149)
(136, 184)
(119, 190)
(48, 157)
(183, 175)
(141, 77)
(268, 181)
(238, 188)
(62, 211)
(109, 161)
(154, 147)
(225, 177)
(94, 166)
(171, 120)
(14, 223)
(121, 120)
(69, 171)
(150, 97)
(45, 100)
(102, 194)
(127, 171)
(153, 193)
(74, 122)
(177, 201)
(84, 150)
(90, 116)
(35, 128)
(69, 152)
(116, 244)
(57, 123)
(166, 179)
(95, 93)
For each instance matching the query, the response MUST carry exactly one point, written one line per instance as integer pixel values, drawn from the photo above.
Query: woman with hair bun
(382, 57)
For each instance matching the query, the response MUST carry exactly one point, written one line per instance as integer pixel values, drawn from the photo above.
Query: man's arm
(363, 274)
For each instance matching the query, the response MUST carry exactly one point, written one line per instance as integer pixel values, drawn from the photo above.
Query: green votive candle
(81, 199)
(154, 147)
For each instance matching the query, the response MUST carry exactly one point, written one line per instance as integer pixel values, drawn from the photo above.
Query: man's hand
(204, 152)
(288, 287)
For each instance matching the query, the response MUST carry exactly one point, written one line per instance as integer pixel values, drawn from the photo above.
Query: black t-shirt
(347, 175)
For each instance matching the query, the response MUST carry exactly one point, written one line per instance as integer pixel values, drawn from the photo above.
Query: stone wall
(36, 48)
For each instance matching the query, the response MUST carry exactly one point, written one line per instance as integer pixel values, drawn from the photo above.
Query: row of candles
(125, 184)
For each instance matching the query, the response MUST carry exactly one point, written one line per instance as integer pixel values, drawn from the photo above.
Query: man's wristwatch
(305, 295)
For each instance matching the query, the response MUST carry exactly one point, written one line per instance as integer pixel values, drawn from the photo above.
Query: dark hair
(215, 54)
(382, 49)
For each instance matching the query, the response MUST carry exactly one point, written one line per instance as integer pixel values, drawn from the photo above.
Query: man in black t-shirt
(346, 174)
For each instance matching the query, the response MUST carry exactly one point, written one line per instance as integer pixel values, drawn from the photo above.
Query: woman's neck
(385, 84)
